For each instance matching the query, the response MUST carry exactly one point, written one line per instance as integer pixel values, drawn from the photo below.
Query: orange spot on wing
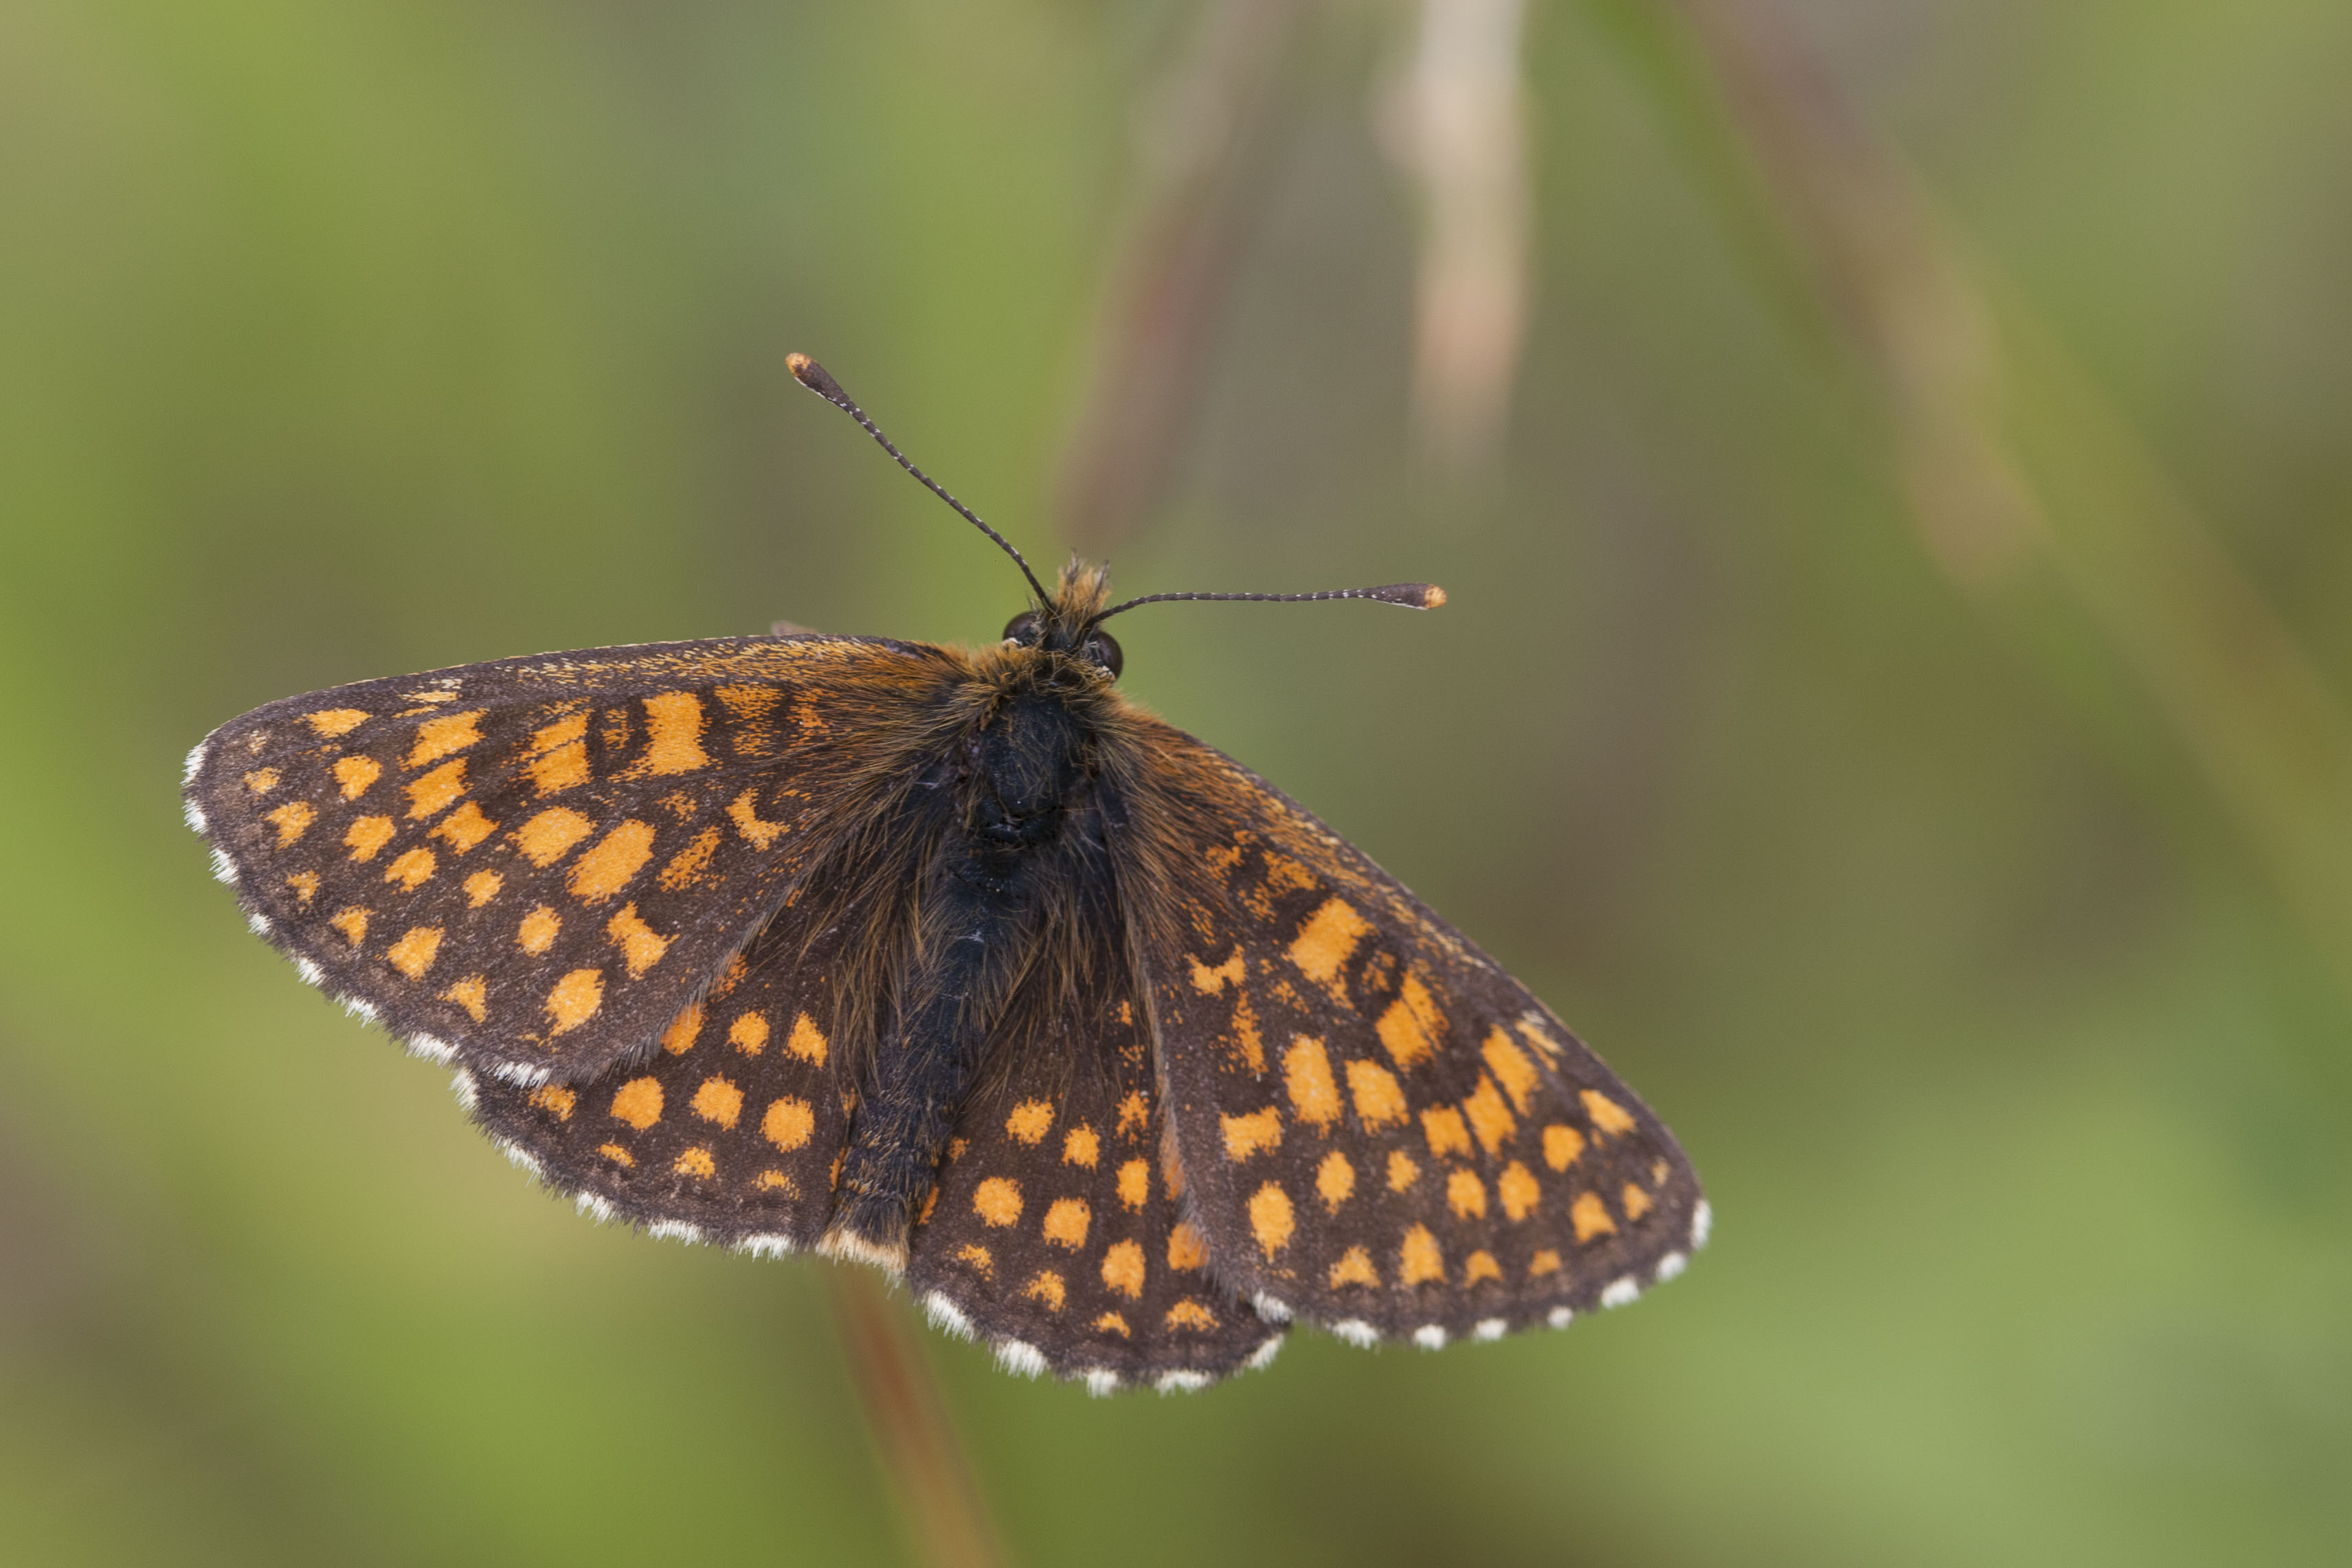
(1545, 1261)
(353, 774)
(1466, 1194)
(1518, 1190)
(1067, 1223)
(718, 1101)
(464, 827)
(1029, 1120)
(1480, 1265)
(1562, 1145)
(430, 794)
(1252, 1134)
(1306, 1073)
(538, 931)
(1134, 1182)
(1335, 1179)
(472, 994)
(1418, 1259)
(1081, 1148)
(1637, 1202)
(261, 781)
(997, 1200)
(1354, 1268)
(1189, 1313)
(1270, 1217)
(1185, 1248)
(411, 868)
(549, 837)
(777, 1181)
(976, 1258)
(1591, 1217)
(1511, 1069)
(352, 923)
(481, 888)
(694, 1161)
(748, 707)
(1210, 982)
(748, 1033)
(556, 1098)
(367, 835)
(1412, 1026)
(1326, 939)
(1112, 1323)
(617, 1154)
(678, 1038)
(413, 955)
(1490, 1118)
(1442, 1125)
(1402, 1172)
(1134, 1116)
(557, 754)
(1047, 1288)
(1122, 1269)
(673, 736)
(438, 738)
(292, 820)
(641, 946)
(789, 1123)
(606, 866)
(638, 1102)
(806, 1041)
(574, 1000)
(1379, 1102)
(742, 811)
(685, 867)
(1607, 1115)
(335, 721)
(305, 884)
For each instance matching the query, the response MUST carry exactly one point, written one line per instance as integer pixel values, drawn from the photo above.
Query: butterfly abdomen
(1015, 776)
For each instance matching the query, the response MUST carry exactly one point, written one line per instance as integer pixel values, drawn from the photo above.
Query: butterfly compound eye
(1103, 648)
(1023, 629)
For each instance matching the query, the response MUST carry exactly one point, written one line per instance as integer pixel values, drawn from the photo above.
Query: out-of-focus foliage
(343, 339)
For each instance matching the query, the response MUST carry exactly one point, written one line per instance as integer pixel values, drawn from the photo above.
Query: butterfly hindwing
(1058, 1231)
(730, 1130)
(536, 864)
(1382, 1130)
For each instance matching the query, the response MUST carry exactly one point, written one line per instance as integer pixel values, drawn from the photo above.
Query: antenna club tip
(811, 375)
(1431, 595)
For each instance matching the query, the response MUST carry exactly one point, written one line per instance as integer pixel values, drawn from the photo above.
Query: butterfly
(955, 962)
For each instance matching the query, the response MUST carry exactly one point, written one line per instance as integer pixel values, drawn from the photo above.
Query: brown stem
(913, 1439)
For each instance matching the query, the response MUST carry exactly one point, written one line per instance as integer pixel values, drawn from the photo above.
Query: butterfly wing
(1382, 1131)
(731, 1132)
(537, 864)
(1057, 1232)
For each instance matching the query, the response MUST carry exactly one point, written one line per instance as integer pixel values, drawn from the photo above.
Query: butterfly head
(1065, 624)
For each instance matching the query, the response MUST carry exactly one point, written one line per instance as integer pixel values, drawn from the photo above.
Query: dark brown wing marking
(535, 864)
(1384, 1132)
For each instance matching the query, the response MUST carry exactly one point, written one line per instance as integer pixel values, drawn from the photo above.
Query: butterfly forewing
(538, 863)
(730, 1130)
(1382, 1129)
(1057, 1230)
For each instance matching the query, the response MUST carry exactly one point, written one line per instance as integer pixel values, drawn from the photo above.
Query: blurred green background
(1959, 876)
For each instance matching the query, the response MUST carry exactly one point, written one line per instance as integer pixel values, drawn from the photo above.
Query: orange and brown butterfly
(956, 962)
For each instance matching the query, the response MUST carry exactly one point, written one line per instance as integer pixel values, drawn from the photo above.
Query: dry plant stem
(917, 1445)
(2011, 455)
(1201, 156)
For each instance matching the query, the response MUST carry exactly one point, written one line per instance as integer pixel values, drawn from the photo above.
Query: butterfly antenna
(815, 376)
(1411, 595)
